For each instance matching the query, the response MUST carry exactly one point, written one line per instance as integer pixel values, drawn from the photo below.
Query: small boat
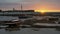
(46, 25)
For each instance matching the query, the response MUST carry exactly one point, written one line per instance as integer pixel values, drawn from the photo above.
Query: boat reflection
(18, 28)
(35, 29)
(58, 29)
(15, 28)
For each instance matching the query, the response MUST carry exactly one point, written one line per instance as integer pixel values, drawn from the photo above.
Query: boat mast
(21, 7)
(13, 9)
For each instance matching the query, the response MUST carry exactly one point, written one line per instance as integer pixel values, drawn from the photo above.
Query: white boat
(46, 24)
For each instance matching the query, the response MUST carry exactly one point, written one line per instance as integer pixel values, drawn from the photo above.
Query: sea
(29, 30)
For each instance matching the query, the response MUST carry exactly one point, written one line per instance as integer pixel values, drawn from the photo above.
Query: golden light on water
(47, 11)
(44, 11)
(41, 11)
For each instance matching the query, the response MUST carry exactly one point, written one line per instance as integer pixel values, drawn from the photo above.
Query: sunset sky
(30, 4)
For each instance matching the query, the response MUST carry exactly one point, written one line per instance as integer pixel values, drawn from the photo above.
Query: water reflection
(35, 29)
(15, 28)
(58, 29)
(18, 28)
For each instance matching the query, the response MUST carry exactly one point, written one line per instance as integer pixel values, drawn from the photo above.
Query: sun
(41, 11)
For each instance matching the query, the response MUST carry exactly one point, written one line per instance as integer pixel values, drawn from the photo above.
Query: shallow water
(29, 31)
